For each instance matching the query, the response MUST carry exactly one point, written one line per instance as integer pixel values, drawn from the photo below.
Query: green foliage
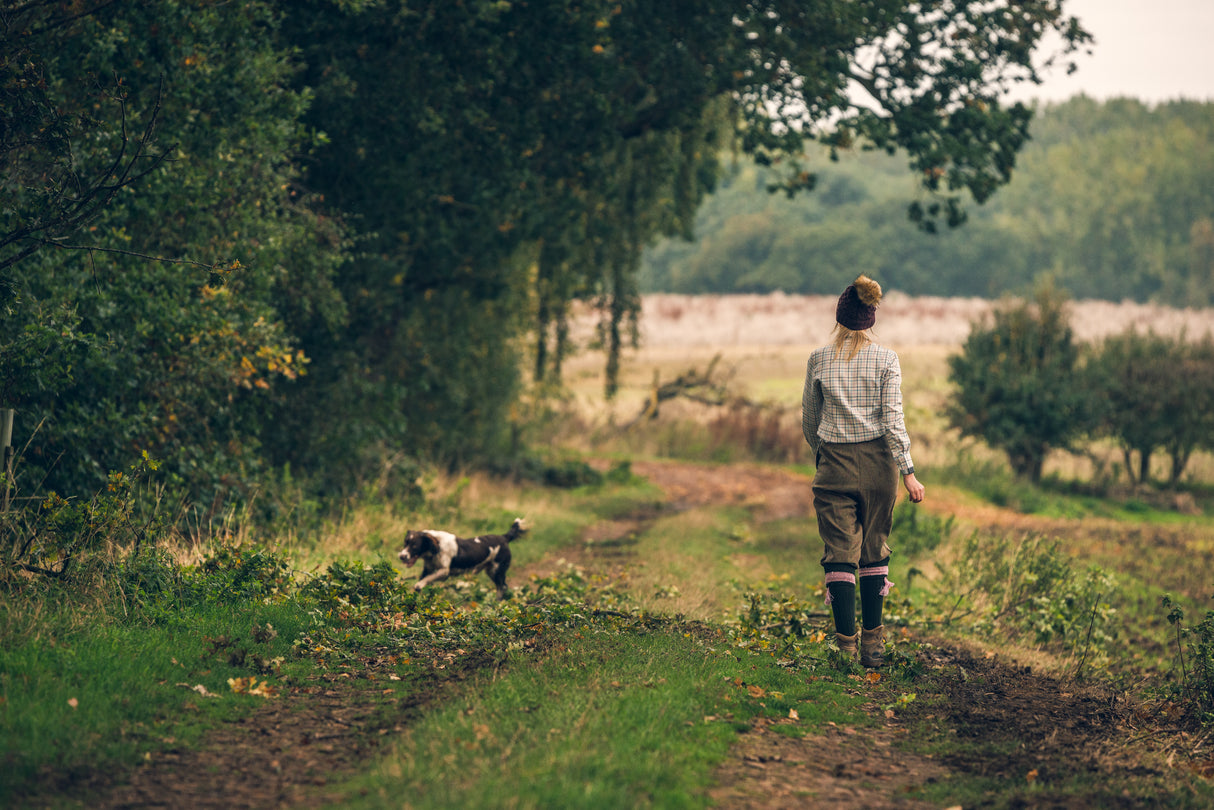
(1111, 198)
(1016, 382)
(52, 538)
(917, 531)
(193, 282)
(1152, 393)
(40, 357)
(1029, 587)
(1195, 660)
(358, 586)
(564, 473)
(232, 574)
(471, 169)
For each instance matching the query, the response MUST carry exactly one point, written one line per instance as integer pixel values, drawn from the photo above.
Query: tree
(1152, 392)
(188, 363)
(1016, 385)
(1112, 198)
(1132, 380)
(1193, 420)
(52, 194)
(496, 160)
(415, 191)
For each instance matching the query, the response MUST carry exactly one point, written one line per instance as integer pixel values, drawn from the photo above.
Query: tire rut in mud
(283, 753)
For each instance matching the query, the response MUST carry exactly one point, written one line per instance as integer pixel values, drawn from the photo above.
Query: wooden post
(6, 447)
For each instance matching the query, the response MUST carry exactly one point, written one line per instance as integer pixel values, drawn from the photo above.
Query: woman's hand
(913, 487)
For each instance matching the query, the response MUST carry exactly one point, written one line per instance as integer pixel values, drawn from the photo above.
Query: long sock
(841, 587)
(873, 587)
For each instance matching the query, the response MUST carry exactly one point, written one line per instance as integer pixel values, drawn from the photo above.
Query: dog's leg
(438, 575)
(498, 574)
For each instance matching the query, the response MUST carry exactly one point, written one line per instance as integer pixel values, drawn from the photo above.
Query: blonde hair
(850, 341)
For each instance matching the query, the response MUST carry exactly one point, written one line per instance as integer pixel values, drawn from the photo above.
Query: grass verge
(640, 720)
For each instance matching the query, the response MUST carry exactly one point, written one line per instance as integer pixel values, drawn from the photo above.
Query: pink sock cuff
(837, 576)
(879, 571)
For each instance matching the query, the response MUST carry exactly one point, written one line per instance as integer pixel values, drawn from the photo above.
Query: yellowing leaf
(251, 686)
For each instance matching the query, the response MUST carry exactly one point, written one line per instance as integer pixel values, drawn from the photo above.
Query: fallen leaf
(792, 715)
(251, 686)
(1031, 775)
(873, 677)
(73, 702)
(755, 691)
(200, 689)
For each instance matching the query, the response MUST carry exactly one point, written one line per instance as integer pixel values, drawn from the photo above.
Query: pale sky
(1152, 50)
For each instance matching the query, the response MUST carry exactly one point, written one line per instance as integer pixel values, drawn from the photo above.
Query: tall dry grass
(763, 342)
(718, 321)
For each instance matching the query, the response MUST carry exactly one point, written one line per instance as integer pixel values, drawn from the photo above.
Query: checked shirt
(858, 400)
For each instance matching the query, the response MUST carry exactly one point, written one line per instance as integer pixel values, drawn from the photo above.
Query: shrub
(916, 531)
(1029, 587)
(1195, 658)
(1151, 392)
(53, 536)
(234, 573)
(761, 432)
(1015, 383)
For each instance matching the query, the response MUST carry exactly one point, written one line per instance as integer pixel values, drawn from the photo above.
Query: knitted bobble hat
(857, 309)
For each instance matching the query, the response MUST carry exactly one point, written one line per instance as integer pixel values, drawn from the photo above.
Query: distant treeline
(1114, 200)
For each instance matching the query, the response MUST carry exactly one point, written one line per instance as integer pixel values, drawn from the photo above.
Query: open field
(763, 342)
(670, 320)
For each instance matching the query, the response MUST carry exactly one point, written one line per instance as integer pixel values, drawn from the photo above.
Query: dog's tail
(517, 530)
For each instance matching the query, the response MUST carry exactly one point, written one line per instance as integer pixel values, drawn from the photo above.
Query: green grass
(604, 722)
(83, 695)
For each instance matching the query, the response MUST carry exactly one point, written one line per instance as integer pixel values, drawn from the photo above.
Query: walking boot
(872, 647)
(847, 644)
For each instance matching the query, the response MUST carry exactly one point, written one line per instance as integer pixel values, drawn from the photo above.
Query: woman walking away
(851, 414)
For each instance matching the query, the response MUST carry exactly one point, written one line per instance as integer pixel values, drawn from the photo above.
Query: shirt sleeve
(811, 408)
(893, 421)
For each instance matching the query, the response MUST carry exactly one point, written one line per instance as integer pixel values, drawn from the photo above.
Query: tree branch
(72, 213)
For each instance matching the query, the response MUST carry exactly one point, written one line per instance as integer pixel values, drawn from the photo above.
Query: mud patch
(1005, 722)
(842, 768)
(283, 753)
(771, 493)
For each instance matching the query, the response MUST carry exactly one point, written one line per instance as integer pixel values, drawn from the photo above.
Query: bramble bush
(1031, 588)
(1195, 659)
(52, 537)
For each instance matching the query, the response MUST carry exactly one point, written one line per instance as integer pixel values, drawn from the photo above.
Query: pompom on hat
(857, 309)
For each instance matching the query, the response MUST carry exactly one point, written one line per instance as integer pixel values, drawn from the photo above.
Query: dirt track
(282, 754)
